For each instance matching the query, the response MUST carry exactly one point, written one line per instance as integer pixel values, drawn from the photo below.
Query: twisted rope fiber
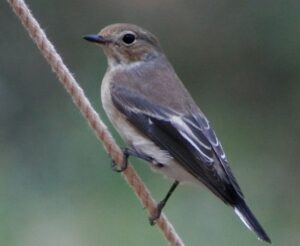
(53, 58)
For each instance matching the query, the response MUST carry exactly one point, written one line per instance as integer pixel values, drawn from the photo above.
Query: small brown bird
(158, 119)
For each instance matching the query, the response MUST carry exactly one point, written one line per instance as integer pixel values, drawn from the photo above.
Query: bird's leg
(162, 204)
(126, 153)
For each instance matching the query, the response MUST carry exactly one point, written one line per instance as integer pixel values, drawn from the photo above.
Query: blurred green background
(240, 60)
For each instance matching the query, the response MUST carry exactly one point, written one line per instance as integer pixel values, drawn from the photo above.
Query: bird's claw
(153, 218)
(116, 168)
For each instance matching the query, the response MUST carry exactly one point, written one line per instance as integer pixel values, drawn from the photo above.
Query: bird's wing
(188, 138)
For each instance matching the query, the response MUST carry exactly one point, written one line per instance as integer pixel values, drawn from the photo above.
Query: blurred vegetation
(241, 62)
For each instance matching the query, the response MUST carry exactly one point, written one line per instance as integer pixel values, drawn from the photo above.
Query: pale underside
(139, 142)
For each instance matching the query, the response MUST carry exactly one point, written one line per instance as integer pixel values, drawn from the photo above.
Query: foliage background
(241, 62)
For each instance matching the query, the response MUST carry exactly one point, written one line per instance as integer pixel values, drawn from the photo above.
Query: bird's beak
(95, 39)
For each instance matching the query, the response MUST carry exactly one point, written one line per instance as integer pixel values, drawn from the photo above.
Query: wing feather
(188, 138)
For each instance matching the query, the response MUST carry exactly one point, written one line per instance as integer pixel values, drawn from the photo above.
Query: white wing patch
(214, 137)
(187, 134)
(211, 134)
(204, 122)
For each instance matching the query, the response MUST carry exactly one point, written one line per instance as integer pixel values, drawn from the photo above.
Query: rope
(80, 100)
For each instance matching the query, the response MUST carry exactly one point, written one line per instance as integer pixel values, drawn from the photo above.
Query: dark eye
(128, 38)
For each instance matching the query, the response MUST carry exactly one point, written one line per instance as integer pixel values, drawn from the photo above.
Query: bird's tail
(245, 214)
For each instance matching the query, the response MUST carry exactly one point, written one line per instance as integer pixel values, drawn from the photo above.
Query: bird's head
(126, 43)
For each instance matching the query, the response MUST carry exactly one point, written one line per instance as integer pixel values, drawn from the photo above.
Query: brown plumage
(156, 116)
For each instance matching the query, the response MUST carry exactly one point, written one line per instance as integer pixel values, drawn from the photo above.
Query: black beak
(95, 39)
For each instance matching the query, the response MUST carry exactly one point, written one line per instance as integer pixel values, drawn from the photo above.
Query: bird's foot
(115, 167)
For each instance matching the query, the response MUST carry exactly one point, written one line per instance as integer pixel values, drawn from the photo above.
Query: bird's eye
(128, 38)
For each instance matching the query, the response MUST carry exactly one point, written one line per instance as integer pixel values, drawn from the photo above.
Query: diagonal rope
(80, 100)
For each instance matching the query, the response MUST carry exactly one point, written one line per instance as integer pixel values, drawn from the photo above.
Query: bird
(160, 122)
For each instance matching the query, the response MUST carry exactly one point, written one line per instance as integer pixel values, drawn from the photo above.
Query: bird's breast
(130, 134)
(135, 139)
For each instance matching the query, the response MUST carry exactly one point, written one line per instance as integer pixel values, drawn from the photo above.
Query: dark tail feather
(250, 221)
